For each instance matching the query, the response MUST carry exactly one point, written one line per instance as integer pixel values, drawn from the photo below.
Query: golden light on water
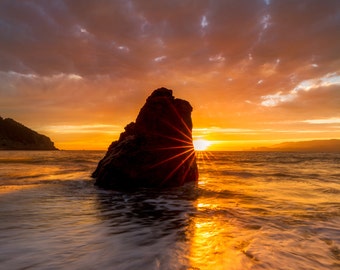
(6, 189)
(209, 248)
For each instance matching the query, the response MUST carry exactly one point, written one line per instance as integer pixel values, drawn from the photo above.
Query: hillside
(332, 145)
(15, 136)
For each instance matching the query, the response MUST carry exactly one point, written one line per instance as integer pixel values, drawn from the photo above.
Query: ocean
(250, 210)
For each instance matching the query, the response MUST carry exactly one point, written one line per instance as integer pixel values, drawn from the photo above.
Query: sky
(257, 72)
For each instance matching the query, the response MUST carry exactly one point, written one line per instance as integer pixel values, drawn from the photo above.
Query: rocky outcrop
(15, 136)
(154, 151)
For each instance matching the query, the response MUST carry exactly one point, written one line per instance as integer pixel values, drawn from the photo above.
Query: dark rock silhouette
(15, 136)
(154, 151)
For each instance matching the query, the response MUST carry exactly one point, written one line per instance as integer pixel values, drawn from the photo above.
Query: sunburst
(201, 145)
(183, 153)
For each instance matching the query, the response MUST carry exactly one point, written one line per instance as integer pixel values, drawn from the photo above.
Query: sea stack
(154, 151)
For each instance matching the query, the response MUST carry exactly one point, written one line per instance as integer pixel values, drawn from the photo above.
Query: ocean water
(250, 210)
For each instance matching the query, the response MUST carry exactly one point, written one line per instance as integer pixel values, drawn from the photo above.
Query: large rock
(155, 151)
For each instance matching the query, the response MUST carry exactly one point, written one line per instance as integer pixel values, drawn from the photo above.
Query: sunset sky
(257, 72)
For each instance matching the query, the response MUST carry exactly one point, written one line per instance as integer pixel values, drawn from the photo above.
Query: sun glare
(201, 145)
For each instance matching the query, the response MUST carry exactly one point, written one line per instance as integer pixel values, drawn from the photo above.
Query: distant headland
(15, 136)
(332, 145)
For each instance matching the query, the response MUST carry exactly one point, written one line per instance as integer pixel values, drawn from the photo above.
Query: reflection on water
(211, 245)
(249, 211)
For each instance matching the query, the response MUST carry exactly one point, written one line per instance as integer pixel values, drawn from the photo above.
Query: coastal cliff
(15, 136)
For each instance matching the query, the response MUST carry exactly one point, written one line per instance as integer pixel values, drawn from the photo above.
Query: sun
(201, 144)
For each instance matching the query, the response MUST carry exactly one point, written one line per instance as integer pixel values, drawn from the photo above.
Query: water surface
(250, 210)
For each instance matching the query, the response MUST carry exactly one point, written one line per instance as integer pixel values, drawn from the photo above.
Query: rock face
(154, 151)
(15, 136)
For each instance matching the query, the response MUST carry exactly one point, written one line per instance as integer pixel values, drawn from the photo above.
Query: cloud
(267, 2)
(217, 58)
(160, 58)
(97, 61)
(273, 100)
(97, 128)
(122, 37)
(332, 120)
(54, 77)
(204, 22)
